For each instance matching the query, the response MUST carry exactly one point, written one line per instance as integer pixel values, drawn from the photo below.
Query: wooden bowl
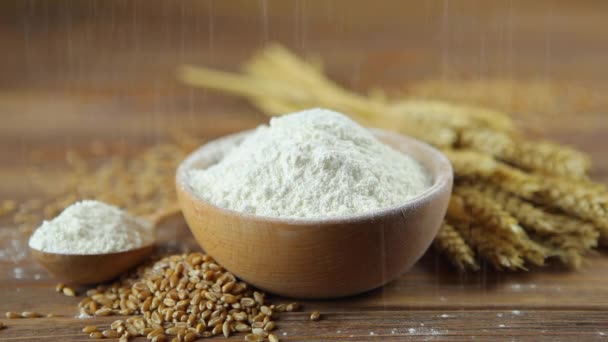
(90, 268)
(319, 258)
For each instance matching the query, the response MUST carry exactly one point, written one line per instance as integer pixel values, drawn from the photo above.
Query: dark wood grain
(76, 71)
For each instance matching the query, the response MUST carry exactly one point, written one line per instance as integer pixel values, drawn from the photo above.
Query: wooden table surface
(73, 72)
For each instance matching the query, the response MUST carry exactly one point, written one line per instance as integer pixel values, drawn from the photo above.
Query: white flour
(91, 227)
(312, 164)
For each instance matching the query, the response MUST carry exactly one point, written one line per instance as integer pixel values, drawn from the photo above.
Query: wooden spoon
(97, 268)
(90, 268)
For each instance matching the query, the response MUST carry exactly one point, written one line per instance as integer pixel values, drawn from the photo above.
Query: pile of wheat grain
(515, 202)
(182, 298)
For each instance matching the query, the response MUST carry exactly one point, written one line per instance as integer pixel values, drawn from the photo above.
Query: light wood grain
(76, 71)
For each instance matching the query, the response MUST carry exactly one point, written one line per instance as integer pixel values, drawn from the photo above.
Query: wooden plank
(444, 325)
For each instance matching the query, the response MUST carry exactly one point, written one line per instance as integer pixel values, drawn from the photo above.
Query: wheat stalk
(451, 243)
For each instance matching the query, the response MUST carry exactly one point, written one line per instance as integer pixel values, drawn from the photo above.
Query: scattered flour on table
(312, 164)
(83, 315)
(13, 247)
(91, 227)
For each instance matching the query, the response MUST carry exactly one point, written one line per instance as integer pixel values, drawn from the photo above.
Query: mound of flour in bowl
(312, 164)
(91, 227)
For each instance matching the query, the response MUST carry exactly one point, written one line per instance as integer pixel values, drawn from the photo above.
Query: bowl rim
(441, 179)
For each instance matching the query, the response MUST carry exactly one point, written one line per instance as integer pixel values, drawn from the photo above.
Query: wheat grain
(578, 199)
(7, 207)
(96, 335)
(575, 199)
(532, 217)
(501, 253)
(292, 307)
(475, 207)
(68, 291)
(516, 181)
(471, 164)
(566, 237)
(449, 242)
(485, 140)
(548, 158)
(456, 116)
(253, 338)
(13, 315)
(30, 314)
(110, 334)
(542, 156)
(484, 211)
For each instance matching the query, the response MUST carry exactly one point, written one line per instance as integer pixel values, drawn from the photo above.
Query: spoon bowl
(319, 258)
(90, 268)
